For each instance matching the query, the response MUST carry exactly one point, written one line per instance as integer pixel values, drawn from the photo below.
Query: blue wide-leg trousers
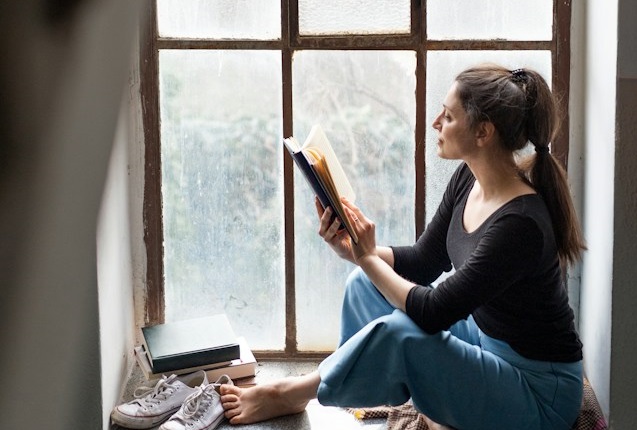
(460, 377)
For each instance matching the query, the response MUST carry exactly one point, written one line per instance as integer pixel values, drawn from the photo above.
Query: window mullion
(419, 143)
(419, 27)
(288, 14)
(561, 75)
(152, 210)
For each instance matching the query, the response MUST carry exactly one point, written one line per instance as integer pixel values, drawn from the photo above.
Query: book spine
(243, 368)
(194, 359)
(238, 371)
(306, 168)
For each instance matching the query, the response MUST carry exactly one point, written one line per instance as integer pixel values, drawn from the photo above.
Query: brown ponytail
(522, 108)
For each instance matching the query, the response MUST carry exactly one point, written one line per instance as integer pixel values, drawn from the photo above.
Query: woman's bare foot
(262, 402)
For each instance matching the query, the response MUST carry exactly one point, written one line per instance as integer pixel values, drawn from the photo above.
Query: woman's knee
(359, 287)
(398, 327)
(357, 279)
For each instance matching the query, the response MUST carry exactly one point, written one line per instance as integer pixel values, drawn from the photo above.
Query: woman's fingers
(355, 219)
(319, 207)
(329, 225)
(329, 230)
(354, 213)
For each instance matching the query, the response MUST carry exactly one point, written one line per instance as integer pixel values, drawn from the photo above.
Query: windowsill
(315, 417)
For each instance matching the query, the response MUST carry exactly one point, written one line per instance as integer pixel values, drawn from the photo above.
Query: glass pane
(222, 189)
(220, 19)
(442, 68)
(321, 17)
(490, 19)
(365, 102)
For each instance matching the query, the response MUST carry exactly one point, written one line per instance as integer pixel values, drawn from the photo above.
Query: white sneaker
(202, 410)
(153, 405)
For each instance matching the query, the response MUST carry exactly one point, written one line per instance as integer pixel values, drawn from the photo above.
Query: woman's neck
(498, 178)
(497, 183)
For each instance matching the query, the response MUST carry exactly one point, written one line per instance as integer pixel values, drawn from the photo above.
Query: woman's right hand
(337, 239)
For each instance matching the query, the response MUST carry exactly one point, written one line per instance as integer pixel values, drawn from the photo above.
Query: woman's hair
(522, 108)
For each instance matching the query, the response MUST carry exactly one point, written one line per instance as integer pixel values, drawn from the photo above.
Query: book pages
(318, 139)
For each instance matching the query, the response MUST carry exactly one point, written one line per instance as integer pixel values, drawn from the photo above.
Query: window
(230, 226)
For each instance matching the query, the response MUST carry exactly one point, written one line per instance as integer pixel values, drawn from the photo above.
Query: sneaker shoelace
(156, 394)
(193, 407)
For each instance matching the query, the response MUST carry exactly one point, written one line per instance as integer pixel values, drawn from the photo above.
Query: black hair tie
(519, 75)
(542, 149)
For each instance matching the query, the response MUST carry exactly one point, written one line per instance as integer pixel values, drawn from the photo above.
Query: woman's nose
(436, 123)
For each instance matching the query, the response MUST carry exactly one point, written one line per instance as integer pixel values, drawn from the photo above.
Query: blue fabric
(461, 377)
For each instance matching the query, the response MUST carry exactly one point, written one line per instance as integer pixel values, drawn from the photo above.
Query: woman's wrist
(368, 260)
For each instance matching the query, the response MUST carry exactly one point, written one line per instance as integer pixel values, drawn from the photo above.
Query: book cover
(319, 164)
(141, 354)
(239, 370)
(242, 369)
(190, 343)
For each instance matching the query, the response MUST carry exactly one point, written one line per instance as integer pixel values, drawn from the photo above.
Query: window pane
(222, 189)
(365, 102)
(321, 17)
(220, 19)
(490, 19)
(442, 68)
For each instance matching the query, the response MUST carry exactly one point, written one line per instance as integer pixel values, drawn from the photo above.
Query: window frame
(290, 42)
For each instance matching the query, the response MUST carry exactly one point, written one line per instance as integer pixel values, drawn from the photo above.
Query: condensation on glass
(490, 19)
(222, 174)
(220, 19)
(222, 189)
(442, 68)
(323, 17)
(365, 102)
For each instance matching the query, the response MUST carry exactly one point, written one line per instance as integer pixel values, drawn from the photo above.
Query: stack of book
(207, 343)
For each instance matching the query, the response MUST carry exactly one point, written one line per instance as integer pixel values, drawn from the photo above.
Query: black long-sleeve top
(507, 275)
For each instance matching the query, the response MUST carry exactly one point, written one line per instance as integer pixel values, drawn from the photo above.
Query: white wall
(121, 254)
(598, 62)
(114, 272)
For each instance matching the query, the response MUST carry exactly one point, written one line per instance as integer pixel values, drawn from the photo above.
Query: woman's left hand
(365, 230)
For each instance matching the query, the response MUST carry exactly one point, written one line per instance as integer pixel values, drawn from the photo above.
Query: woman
(494, 345)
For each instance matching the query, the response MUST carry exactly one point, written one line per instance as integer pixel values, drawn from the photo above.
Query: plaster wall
(598, 59)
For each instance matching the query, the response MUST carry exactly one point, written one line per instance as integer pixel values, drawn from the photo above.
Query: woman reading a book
(493, 346)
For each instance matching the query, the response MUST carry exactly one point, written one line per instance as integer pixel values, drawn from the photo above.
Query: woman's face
(455, 138)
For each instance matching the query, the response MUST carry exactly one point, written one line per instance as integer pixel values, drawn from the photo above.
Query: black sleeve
(509, 250)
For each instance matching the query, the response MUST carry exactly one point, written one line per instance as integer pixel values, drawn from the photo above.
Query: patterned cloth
(405, 417)
(590, 416)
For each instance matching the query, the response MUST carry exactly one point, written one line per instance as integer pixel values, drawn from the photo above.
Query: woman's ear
(485, 132)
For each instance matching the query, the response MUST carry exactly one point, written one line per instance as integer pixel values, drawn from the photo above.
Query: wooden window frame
(290, 42)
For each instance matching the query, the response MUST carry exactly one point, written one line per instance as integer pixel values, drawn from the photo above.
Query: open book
(322, 170)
